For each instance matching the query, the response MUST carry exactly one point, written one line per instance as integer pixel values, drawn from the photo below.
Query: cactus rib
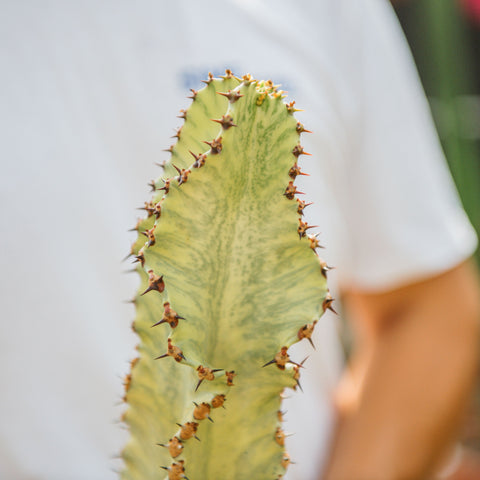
(228, 250)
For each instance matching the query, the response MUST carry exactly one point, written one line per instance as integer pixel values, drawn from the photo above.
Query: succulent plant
(230, 280)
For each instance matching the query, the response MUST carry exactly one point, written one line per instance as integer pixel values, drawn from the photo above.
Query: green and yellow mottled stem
(230, 280)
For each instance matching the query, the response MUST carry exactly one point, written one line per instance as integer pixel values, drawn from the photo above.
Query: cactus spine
(230, 280)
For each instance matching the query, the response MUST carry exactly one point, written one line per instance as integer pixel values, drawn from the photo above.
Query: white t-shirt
(90, 92)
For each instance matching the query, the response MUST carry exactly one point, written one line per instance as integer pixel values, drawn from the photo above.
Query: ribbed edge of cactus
(230, 280)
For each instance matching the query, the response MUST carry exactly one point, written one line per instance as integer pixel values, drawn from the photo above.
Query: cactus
(230, 280)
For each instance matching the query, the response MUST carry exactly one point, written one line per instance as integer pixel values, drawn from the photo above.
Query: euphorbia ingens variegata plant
(230, 280)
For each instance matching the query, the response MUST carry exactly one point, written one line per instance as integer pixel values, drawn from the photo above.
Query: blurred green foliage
(446, 49)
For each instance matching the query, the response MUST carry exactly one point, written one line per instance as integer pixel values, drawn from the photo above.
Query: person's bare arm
(401, 406)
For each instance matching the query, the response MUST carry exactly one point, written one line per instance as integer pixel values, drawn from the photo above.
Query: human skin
(402, 400)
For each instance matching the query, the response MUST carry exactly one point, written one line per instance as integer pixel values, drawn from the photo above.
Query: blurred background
(444, 37)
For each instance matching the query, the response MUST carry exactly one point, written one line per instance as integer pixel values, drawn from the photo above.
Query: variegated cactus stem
(230, 280)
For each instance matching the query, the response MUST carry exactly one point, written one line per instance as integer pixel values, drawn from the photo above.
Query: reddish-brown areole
(295, 171)
(149, 207)
(170, 316)
(200, 159)
(175, 447)
(218, 401)
(155, 282)
(177, 133)
(301, 128)
(232, 96)
(188, 430)
(150, 234)
(173, 351)
(226, 122)
(202, 411)
(215, 145)
(182, 174)
(327, 303)
(301, 206)
(291, 190)
(230, 376)
(280, 437)
(298, 150)
(166, 185)
(285, 460)
(306, 332)
(205, 373)
(176, 471)
(303, 227)
(140, 258)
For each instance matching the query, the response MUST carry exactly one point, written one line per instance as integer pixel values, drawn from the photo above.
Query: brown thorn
(280, 437)
(327, 303)
(306, 332)
(301, 129)
(314, 244)
(205, 373)
(210, 78)
(301, 206)
(303, 227)
(232, 96)
(132, 270)
(295, 170)
(155, 282)
(140, 258)
(215, 145)
(291, 107)
(166, 186)
(149, 207)
(269, 363)
(298, 150)
(200, 159)
(281, 359)
(228, 74)
(177, 133)
(152, 185)
(124, 259)
(150, 234)
(183, 177)
(324, 267)
(173, 351)
(137, 225)
(247, 79)
(291, 190)
(226, 122)
(158, 323)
